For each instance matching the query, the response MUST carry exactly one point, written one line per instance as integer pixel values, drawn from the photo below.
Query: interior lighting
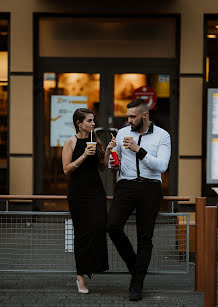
(211, 36)
(3, 66)
(207, 68)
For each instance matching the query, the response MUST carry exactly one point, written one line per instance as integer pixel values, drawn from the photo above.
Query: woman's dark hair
(79, 116)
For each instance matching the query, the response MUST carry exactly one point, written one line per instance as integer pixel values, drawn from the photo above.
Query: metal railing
(43, 241)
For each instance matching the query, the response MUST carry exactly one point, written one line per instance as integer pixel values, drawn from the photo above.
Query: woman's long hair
(79, 116)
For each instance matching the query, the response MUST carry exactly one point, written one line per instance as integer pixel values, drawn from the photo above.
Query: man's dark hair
(136, 103)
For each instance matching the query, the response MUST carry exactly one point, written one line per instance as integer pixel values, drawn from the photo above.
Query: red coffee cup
(114, 155)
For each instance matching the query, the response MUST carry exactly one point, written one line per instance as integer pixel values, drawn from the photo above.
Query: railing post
(6, 205)
(210, 256)
(199, 243)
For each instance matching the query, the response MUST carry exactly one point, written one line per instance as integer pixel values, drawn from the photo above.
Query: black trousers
(145, 198)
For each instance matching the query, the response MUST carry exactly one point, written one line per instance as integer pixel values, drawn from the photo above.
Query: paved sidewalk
(106, 290)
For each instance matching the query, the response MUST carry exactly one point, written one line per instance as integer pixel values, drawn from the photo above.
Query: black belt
(142, 179)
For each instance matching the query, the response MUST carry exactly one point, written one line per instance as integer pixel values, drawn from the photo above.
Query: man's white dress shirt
(156, 142)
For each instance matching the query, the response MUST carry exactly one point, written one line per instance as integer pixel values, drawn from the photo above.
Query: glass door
(106, 87)
(63, 94)
(156, 90)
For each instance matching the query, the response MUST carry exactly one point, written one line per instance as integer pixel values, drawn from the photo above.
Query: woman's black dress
(87, 204)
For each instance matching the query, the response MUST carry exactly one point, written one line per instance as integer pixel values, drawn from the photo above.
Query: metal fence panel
(43, 242)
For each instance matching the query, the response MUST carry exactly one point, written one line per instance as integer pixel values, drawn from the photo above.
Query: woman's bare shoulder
(70, 142)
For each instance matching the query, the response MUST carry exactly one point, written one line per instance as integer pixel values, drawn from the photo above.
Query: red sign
(148, 94)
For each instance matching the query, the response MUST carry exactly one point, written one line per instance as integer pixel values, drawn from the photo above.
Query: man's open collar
(150, 129)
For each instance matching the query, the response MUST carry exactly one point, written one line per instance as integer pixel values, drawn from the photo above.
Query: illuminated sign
(148, 94)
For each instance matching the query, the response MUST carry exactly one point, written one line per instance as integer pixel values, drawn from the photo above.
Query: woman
(86, 196)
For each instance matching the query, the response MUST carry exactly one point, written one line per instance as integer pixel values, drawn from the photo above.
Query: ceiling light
(211, 36)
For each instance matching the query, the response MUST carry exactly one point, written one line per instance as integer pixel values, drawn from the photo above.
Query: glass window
(107, 37)
(4, 189)
(212, 52)
(155, 90)
(63, 94)
(212, 102)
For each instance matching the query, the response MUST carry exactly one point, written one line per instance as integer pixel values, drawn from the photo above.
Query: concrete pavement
(49, 289)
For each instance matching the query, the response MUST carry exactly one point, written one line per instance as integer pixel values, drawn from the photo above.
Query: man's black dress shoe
(136, 292)
(132, 281)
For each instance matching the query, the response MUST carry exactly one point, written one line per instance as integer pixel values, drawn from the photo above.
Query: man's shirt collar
(149, 130)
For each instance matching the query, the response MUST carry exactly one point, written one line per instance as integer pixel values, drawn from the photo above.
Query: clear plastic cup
(93, 144)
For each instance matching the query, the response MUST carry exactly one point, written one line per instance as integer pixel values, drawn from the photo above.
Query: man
(144, 151)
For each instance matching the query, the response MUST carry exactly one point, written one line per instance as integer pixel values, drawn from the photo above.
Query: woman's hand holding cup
(90, 148)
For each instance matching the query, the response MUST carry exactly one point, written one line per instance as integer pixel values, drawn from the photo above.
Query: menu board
(61, 122)
(212, 137)
(214, 113)
(214, 159)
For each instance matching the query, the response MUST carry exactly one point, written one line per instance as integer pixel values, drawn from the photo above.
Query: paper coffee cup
(129, 137)
(93, 144)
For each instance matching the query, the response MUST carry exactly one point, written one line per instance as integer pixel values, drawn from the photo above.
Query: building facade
(105, 51)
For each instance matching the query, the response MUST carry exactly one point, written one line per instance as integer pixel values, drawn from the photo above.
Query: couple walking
(144, 152)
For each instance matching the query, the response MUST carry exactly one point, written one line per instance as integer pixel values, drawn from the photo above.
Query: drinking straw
(91, 135)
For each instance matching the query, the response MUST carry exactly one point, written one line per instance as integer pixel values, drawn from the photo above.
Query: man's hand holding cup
(129, 143)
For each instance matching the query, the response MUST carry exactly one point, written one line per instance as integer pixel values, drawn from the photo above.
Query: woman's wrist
(108, 150)
(79, 161)
(84, 155)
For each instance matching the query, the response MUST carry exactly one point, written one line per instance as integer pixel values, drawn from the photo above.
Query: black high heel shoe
(90, 275)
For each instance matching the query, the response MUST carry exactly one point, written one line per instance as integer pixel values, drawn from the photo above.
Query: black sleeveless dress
(87, 204)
